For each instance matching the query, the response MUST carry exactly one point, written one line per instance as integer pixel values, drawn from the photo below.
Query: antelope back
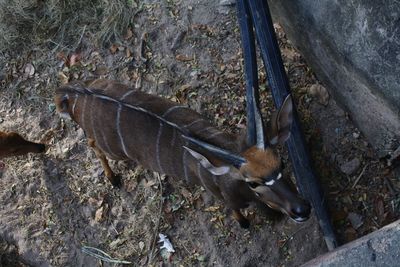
(128, 124)
(12, 144)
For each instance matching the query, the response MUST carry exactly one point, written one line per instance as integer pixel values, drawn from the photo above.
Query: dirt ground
(55, 204)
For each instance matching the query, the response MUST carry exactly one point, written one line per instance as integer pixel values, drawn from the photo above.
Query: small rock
(52, 107)
(320, 93)
(29, 70)
(141, 245)
(350, 167)
(114, 244)
(225, 6)
(339, 112)
(355, 220)
(227, 2)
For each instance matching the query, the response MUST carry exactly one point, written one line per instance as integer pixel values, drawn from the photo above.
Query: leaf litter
(57, 191)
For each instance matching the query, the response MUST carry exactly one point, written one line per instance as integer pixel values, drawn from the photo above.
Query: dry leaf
(74, 59)
(99, 216)
(290, 54)
(128, 52)
(129, 34)
(113, 48)
(183, 58)
(186, 194)
(184, 87)
(212, 208)
(350, 234)
(101, 70)
(380, 209)
(94, 202)
(64, 79)
(150, 183)
(61, 56)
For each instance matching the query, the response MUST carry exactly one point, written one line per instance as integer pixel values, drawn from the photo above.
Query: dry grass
(28, 24)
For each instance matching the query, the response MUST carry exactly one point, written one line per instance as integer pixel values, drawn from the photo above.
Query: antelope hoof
(244, 223)
(115, 181)
(238, 216)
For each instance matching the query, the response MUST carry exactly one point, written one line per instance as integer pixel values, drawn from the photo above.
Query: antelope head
(259, 165)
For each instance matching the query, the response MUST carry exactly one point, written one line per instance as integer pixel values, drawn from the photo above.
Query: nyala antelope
(122, 123)
(12, 144)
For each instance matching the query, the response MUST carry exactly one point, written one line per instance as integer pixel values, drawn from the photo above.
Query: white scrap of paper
(167, 244)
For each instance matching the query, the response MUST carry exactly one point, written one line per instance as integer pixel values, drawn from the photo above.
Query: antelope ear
(62, 105)
(207, 164)
(281, 120)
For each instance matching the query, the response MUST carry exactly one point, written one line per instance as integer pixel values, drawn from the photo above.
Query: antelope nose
(301, 212)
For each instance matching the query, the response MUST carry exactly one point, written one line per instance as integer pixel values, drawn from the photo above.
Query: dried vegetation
(55, 24)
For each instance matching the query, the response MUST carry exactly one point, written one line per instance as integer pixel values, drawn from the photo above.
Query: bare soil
(52, 205)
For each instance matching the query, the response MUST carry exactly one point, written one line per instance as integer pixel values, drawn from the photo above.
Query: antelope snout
(300, 212)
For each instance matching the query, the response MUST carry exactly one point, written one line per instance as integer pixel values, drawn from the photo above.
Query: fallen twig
(178, 38)
(80, 38)
(101, 255)
(359, 176)
(142, 43)
(389, 185)
(291, 237)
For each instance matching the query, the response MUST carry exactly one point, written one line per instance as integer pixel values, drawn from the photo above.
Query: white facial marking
(279, 176)
(269, 183)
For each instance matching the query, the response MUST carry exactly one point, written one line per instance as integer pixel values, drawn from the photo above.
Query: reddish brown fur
(12, 144)
(260, 163)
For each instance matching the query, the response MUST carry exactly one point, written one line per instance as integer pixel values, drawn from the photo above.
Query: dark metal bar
(307, 181)
(250, 68)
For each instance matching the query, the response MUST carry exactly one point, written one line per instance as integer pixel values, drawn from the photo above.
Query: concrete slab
(380, 248)
(354, 48)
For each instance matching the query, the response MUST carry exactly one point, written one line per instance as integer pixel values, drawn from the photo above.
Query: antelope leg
(114, 179)
(238, 216)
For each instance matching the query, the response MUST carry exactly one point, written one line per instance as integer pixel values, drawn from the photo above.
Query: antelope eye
(252, 184)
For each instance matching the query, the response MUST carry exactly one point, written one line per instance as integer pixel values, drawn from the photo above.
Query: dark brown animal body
(122, 123)
(12, 144)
